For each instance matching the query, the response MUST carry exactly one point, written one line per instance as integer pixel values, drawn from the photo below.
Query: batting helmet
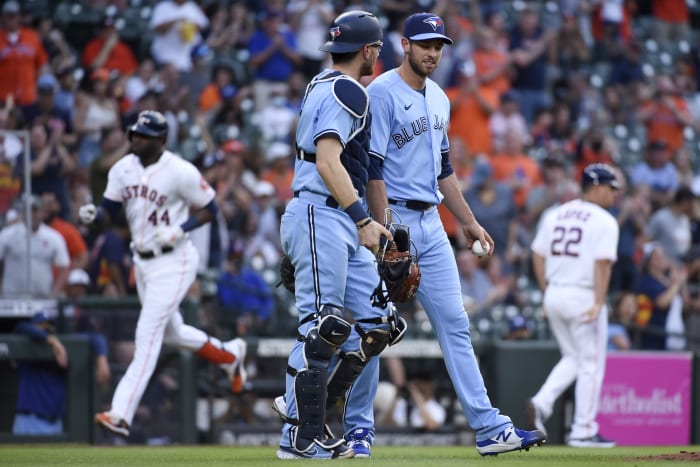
(151, 124)
(352, 30)
(599, 174)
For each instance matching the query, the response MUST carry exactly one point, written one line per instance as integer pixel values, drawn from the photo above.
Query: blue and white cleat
(358, 440)
(289, 453)
(329, 448)
(510, 439)
(341, 451)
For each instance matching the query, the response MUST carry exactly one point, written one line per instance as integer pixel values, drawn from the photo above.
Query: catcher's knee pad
(332, 326)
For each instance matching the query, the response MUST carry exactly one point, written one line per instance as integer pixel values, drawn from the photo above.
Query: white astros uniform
(571, 238)
(154, 197)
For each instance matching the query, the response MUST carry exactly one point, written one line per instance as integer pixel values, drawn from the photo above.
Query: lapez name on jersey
(574, 214)
(417, 127)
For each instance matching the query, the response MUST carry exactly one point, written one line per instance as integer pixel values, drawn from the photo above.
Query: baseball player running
(157, 189)
(410, 115)
(329, 237)
(573, 253)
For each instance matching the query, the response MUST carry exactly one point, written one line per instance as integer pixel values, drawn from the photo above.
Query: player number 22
(565, 241)
(164, 218)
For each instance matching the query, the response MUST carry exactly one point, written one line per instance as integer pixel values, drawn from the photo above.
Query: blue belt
(310, 195)
(306, 156)
(411, 204)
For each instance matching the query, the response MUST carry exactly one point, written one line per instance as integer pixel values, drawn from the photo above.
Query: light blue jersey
(321, 241)
(409, 132)
(323, 115)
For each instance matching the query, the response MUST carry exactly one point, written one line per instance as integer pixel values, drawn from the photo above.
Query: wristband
(364, 224)
(356, 212)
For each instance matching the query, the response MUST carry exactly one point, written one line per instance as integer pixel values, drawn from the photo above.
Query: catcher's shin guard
(310, 382)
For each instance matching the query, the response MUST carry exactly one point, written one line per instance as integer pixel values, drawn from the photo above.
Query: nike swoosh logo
(406, 107)
(333, 333)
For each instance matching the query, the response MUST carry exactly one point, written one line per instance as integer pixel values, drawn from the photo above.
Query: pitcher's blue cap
(425, 26)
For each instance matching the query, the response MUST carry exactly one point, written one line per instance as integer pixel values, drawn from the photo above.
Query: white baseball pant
(583, 349)
(162, 283)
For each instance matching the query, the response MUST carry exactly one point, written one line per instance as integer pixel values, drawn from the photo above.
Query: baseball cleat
(341, 451)
(236, 371)
(289, 453)
(535, 419)
(114, 424)
(279, 405)
(595, 441)
(358, 440)
(510, 439)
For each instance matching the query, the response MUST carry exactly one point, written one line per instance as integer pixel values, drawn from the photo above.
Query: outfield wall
(649, 398)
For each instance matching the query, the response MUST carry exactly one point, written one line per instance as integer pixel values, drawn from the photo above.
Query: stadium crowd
(538, 91)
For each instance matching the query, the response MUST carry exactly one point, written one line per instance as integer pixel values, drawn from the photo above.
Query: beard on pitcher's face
(424, 56)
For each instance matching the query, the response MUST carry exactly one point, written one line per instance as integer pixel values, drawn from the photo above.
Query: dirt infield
(687, 456)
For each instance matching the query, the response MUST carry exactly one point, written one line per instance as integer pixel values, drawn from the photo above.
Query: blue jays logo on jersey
(434, 21)
(334, 32)
(407, 134)
(440, 123)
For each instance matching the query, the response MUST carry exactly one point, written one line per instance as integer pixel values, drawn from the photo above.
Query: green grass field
(559, 456)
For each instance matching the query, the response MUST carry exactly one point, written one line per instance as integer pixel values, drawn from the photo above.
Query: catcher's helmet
(151, 124)
(352, 30)
(599, 174)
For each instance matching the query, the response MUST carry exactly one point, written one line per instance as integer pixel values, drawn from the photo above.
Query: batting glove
(87, 213)
(169, 236)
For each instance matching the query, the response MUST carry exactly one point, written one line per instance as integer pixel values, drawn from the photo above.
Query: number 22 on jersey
(566, 241)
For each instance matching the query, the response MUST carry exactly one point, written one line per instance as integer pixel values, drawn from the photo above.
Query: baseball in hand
(478, 250)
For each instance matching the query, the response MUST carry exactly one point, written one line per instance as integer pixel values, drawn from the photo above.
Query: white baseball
(478, 250)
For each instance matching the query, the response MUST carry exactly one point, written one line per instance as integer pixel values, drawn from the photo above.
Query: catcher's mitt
(286, 274)
(399, 273)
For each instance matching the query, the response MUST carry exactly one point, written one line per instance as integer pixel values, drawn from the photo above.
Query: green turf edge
(418, 456)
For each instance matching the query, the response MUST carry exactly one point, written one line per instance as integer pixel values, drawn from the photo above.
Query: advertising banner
(645, 399)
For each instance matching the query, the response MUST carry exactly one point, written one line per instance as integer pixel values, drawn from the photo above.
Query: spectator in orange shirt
(508, 118)
(472, 106)
(279, 170)
(516, 169)
(492, 63)
(22, 57)
(672, 20)
(108, 51)
(77, 249)
(666, 115)
(221, 88)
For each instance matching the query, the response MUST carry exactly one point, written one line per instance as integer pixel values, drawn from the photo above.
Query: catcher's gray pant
(440, 294)
(331, 267)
